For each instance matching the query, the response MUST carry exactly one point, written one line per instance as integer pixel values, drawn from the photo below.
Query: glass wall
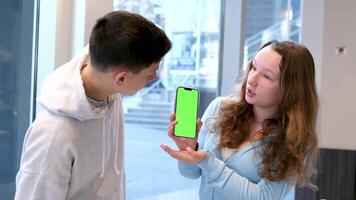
(193, 26)
(269, 20)
(16, 39)
(195, 33)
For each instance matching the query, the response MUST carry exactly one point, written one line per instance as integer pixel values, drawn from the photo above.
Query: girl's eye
(267, 77)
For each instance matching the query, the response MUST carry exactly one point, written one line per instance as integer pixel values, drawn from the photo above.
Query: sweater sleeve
(193, 171)
(235, 186)
(46, 162)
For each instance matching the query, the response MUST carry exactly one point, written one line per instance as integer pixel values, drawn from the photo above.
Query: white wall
(46, 42)
(328, 24)
(64, 29)
(74, 21)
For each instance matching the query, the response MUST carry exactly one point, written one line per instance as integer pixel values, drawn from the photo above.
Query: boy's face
(133, 82)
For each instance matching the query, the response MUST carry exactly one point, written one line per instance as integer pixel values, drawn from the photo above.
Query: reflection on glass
(16, 19)
(194, 28)
(279, 20)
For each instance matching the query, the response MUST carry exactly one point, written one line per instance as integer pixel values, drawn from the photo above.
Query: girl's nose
(252, 79)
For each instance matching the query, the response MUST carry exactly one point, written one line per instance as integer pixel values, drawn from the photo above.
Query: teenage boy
(74, 150)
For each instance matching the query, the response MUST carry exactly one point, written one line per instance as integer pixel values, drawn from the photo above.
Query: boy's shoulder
(47, 122)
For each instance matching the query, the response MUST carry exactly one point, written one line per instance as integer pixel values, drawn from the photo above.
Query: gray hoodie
(72, 151)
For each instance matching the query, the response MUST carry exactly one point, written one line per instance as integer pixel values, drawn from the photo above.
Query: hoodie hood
(67, 98)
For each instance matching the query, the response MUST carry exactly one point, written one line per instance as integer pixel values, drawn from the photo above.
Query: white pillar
(75, 19)
(231, 50)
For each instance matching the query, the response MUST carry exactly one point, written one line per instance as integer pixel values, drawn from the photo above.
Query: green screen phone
(186, 109)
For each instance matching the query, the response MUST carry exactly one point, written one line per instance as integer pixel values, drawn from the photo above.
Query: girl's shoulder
(215, 104)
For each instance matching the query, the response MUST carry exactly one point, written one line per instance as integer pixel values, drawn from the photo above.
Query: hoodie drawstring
(116, 133)
(103, 157)
(116, 141)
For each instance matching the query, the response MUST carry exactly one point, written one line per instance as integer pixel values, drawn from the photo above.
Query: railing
(147, 90)
(143, 94)
(276, 31)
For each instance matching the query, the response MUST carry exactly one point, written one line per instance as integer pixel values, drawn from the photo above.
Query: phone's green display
(186, 112)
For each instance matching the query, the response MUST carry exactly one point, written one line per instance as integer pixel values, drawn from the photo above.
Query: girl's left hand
(188, 156)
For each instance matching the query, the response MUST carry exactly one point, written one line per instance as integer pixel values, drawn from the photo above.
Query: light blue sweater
(236, 178)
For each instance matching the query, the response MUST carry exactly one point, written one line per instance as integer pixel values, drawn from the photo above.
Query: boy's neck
(92, 85)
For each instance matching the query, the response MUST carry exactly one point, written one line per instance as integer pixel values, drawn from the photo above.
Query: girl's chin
(249, 100)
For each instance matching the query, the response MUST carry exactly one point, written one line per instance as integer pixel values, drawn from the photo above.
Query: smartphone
(186, 110)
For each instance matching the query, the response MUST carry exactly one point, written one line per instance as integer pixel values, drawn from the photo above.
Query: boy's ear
(120, 76)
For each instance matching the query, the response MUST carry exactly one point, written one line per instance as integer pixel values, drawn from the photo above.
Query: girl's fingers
(200, 123)
(172, 123)
(188, 156)
(170, 131)
(172, 117)
(170, 151)
(171, 127)
(189, 150)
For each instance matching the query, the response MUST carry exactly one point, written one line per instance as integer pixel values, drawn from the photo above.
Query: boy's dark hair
(128, 40)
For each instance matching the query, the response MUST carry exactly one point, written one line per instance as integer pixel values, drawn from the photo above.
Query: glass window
(16, 28)
(269, 20)
(193, 26)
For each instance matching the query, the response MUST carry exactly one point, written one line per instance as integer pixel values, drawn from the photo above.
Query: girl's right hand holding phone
(186, 146)
(182, 143)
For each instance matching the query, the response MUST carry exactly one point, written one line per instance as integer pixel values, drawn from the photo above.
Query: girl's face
(263, 80)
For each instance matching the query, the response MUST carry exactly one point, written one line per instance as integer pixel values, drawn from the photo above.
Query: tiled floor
(150, 172)
(179, 195)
